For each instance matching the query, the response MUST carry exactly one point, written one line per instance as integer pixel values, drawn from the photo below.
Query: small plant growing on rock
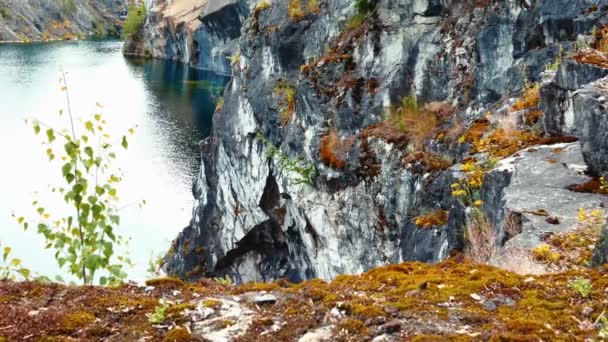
(418, 123)
(235, 60)
(262, 6)
(160, 312)
(558, 60)
(296, 12)
(219, 105)
(545, 254)
(226, 281)
(288, 94)
(306, 172)
(582, 286)
(530, 93)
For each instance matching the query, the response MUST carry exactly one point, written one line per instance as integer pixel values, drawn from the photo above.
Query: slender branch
(82, 245)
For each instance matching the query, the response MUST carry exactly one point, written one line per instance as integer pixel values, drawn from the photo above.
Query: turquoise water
(170, 104)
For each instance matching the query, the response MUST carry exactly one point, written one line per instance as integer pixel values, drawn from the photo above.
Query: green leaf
(7, 251)
(124, 142)
(36, 126)
(50, 134)
(66, 168)
(89, 151)
(99, 190)
(24, 272)
(70, 147)
(89, 126)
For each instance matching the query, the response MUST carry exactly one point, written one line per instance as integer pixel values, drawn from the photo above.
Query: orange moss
(594, 186)
(477, 131)
(177, 335)
(591, 56)
(253, 286)
(331, 150)
(530, 98)
(435, 218)
(353, 326)
(76, 320)
(166, 282)
(531, 118)
(429, 161)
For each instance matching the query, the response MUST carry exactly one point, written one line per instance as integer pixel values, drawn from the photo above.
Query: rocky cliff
(42, 20)
(200, 33)
(357, 134)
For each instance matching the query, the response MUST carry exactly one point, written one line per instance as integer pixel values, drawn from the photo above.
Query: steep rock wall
(252, 220)
(36, 20)
(200, 33)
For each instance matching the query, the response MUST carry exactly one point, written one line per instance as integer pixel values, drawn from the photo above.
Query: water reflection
(171, 104)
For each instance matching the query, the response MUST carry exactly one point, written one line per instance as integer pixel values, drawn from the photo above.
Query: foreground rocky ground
(453, 300)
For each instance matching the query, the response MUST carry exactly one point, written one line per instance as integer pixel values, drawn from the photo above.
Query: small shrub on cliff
(296, 12)
(68, 7)
(306, 172)
(287, 93)
(134, 22)
(86, 240)
(558, 60)
(416, 122)
(530, 93)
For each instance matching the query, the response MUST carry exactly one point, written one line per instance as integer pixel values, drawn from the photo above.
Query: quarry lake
(169, 104)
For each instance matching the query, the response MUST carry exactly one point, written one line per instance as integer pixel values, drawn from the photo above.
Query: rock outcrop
(200, 33)
(313, 83)
(42, 20)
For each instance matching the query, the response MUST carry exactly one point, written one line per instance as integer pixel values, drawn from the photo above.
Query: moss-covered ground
(453, 300)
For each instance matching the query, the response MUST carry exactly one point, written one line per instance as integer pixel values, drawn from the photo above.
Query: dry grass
(436, 218)
(530, 97)
(480, 238)
(419, 123)
(429, 161)
(519, 260)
